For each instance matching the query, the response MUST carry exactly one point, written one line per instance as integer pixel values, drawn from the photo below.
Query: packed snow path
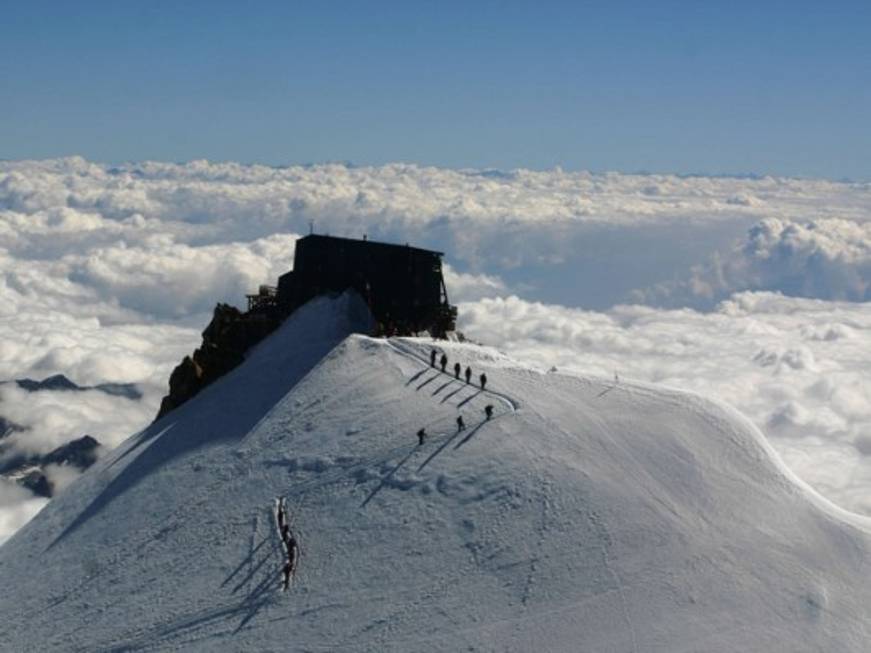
(637, 519)
(406, 349)
(449, 393)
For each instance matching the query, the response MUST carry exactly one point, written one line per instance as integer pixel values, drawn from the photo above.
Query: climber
(457, 368)
(461, 425)
(421, 436)
(468, 374)
(488, 410)
(286, 573)
(432, 357)
(290, 566)
(291, 552)
(483, 380)
(444, 361)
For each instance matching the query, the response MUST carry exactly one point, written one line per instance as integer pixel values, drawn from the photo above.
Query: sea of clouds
(754, 290)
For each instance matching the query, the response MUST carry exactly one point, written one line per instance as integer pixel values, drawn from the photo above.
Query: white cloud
(827, 259)
(466, 287)
(17, 507)
(487, 221)
(166, 279)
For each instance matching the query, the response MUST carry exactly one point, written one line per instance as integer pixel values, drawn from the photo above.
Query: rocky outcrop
(230, 334)
(61, 383)
(29, 470)
(56, 382)
(7, 426)
(81, 453)
(37, 482)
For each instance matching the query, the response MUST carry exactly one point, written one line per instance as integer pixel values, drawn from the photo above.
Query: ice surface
(587, 515)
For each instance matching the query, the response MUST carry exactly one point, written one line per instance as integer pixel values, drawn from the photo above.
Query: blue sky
(687, 87)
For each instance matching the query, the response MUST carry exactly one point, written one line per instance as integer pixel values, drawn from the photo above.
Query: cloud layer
(17, 507)
(826, 259)
(132, 233)
(108, 273)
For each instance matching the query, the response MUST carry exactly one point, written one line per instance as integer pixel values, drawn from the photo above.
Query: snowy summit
(584, 515)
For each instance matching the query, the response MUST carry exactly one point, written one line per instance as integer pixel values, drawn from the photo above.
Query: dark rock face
(56, 382)
(59, 382)
(38, 483)
(28, 470)
(8, 426)
(128, 390)
(81, 453)
(228, 336)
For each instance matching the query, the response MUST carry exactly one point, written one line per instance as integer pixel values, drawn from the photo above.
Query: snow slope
(586, 516)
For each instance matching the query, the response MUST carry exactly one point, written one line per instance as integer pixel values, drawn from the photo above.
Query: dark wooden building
(402, 285)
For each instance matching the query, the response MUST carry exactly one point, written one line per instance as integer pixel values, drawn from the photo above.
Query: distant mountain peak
(29, 470)
(54, 382)
(7, 426)
(61, 383)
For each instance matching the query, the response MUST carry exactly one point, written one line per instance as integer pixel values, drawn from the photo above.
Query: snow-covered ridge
(586, 515)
